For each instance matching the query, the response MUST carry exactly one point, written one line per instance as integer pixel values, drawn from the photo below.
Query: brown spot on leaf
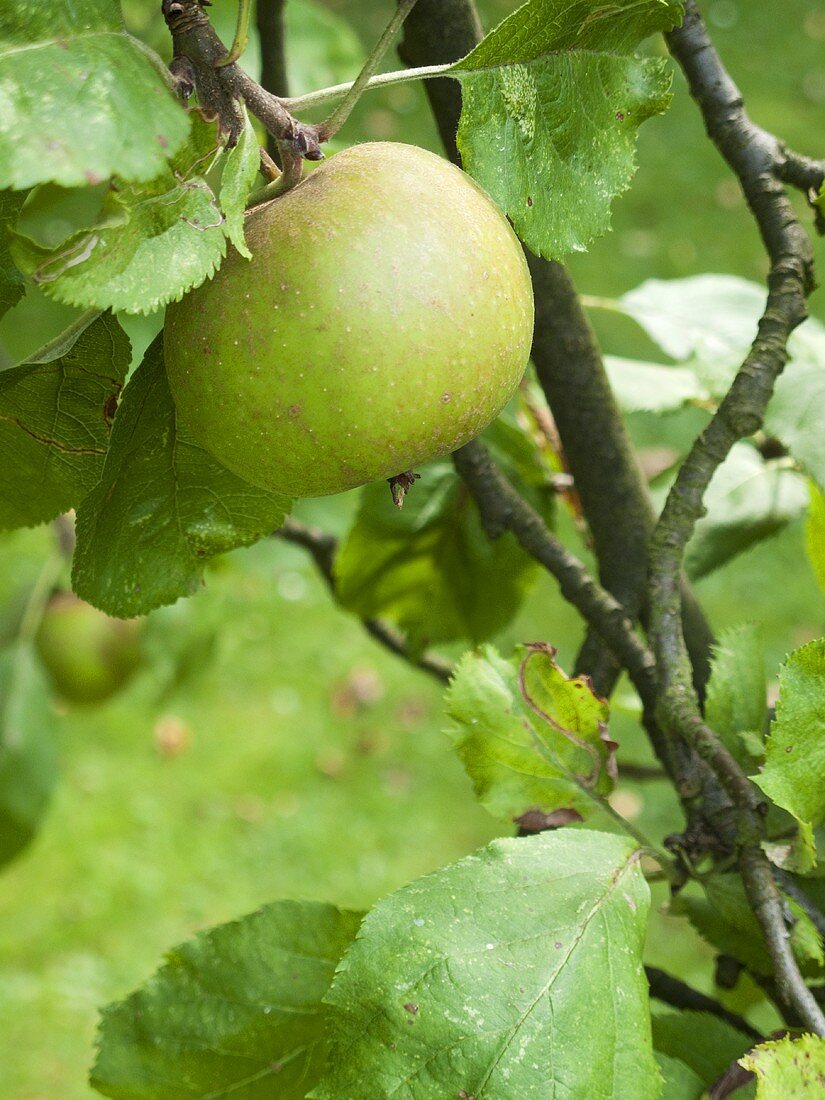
(110, 408)
(536, 821)
(529, 200)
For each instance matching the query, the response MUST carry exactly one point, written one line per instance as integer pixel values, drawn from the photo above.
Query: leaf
(28, 751)
(795, 412)
(652, 387)
(737, 691)
(712, 321)
(163, 507)
(748, 500)
(234, 1012)
(82, 101)
(152, 243)
(788, 1068)
(430, 567)
(724, 918)
(552, 99)
(709, 318)
(681, 1083)
(815, 534)
(795, 758)
(707, 1044)
(55, 415)
(239, 174)
(529, 738)
(12, 284)
(513, 973)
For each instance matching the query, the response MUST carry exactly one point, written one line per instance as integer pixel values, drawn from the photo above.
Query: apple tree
(350, 317)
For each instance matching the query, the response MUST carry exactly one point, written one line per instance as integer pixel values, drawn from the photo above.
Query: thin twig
(678, 994)
(323, 547)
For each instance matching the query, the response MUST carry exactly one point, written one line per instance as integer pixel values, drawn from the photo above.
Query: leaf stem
(382, 80)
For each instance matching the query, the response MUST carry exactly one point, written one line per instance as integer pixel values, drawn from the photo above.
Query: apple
(88, 656)
(385, 319)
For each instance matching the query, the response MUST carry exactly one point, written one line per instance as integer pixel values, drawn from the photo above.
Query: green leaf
(529, 738)
(552, 99)
(748, 500)
(707, 1044)
(55, 415)
(788, 1068)
(722, 915)
(82, 101)
(795, 412)
(736, 701)
(12, 284)
(430, 567)
(234, 1012)
(712, 320)
(709, 318)
(652, 387)
(681, 1083)
(815, 534)
(163, 507)
(794, 773)
(152, 243)
(513, 973)
(239, 174)
(28, 751)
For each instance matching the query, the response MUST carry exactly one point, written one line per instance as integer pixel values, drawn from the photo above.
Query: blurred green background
(269, 748)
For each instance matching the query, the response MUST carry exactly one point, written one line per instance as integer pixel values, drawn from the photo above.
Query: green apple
(385, 319)
(87, 655)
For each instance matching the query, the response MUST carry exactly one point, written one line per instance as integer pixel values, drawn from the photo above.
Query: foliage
(518, 970)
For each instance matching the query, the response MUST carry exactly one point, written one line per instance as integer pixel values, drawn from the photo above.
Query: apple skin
(385, 319)
(88, 656)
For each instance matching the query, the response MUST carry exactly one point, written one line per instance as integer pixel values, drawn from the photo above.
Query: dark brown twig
(322, 547)
(678, 994)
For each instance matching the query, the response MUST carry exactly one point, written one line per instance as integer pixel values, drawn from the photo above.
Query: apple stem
(382, 80)
(400, 485)
(284, 181)
(339, 116)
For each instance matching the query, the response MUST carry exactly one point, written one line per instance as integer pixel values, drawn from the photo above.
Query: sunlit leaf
(552, 99)
(788, 1068)
(748, 500)
(651, 387)
(514, 973)
(81, 100)
(529, 737)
